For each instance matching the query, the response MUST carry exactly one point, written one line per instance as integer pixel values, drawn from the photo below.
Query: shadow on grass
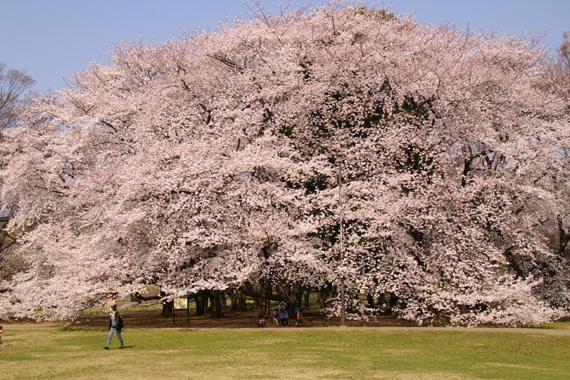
(119, 348)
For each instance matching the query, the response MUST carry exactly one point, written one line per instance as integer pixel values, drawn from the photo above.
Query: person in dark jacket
(115, 327)
(284, 318)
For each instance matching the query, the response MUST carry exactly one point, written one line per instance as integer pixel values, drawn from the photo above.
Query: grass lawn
(48, 352)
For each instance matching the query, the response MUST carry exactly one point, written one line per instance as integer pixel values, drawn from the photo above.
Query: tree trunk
(216, 310)
(563, 236)
(259, 305)
(234, 299)
(370, 300)
(298, 300)
(262, 307)
(323, 296)
(242, 302)
(201, 303)
(307, 299)
(268, 290)
(392, 301)
(167, 308)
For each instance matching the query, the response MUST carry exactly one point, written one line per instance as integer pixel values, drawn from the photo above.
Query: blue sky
(51, 39)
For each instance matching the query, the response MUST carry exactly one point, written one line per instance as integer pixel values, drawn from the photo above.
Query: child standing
(298, 318)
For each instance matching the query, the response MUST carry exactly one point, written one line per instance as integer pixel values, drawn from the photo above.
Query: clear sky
(51, 39)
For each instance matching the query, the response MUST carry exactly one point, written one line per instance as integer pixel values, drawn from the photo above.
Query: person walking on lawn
(115, 327)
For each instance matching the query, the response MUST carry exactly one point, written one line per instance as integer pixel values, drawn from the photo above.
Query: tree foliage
(210, 163)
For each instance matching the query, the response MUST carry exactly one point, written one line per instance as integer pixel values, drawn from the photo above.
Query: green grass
(552, 326)
(44, 352)
(104, 310)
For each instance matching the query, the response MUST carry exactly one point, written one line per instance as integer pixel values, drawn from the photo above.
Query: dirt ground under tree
(152, 317)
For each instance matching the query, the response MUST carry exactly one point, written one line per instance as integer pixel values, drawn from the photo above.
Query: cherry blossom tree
(212, 164)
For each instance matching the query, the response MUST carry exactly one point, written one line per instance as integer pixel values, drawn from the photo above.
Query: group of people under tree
(280, 316)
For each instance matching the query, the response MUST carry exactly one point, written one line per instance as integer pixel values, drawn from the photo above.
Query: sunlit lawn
(43, 352)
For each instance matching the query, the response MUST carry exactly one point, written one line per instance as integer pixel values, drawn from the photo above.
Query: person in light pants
(115, 327)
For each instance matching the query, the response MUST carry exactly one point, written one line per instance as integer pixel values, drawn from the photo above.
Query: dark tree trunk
(242, 302)
(564, 237)
(323, 296)
(257, 302)
(167, 308)
(307, 299)
(268, 290)
(392, 302)
(262, 305)
(216, 310)
(298, 302)
(201, 303)
(234, 300)
(370, 300)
